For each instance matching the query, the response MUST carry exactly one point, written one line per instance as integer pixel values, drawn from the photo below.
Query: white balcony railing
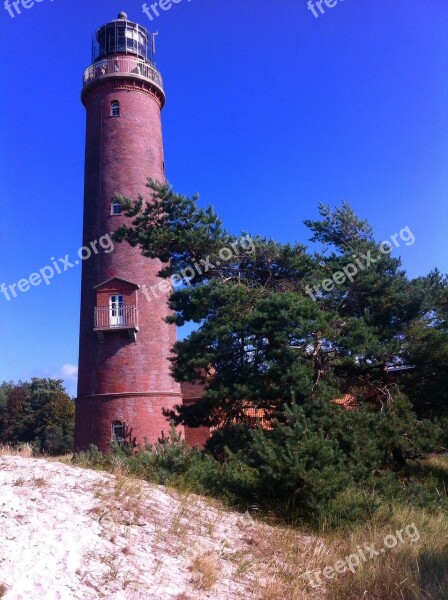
(123, 317)
(123, 65)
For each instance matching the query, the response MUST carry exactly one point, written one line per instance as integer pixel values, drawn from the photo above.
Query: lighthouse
(125, 343)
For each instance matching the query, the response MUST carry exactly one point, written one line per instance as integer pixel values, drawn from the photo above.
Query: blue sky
(270, 111)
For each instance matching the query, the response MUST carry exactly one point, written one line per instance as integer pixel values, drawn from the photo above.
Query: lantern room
(122, 36)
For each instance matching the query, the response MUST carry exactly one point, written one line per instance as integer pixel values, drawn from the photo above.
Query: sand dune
(68, 532)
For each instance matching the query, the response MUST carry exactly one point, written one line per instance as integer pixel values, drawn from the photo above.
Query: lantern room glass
(122, 37)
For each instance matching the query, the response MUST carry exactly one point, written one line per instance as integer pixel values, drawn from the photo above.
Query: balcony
(122, 318)
(122, 67)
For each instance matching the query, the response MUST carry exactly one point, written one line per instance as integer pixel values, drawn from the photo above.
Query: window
(115, 109)
(118, 431)
(116, 310)
(116, 208)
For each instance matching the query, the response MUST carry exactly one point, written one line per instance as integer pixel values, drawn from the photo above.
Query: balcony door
(116, 310)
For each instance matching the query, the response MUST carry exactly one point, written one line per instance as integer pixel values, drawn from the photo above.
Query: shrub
(319, 463)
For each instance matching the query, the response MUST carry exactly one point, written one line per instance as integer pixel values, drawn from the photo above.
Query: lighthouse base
(133, 418)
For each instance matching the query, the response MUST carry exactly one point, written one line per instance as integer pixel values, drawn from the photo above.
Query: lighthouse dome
(122, 36)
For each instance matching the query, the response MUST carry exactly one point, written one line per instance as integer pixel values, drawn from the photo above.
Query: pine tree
(279, 325)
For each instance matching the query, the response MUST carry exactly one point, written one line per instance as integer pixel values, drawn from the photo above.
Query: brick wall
(121, 379)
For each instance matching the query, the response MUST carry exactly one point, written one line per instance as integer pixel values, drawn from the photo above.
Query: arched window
(116, 208)
(115, 108)
(118, 431)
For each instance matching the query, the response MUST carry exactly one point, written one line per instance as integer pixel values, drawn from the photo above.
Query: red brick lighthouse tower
(124, 378)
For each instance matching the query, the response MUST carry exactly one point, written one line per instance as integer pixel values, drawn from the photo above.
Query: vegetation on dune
(276, 330)
(355, 516)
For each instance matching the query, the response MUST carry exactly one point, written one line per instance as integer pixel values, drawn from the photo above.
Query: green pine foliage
(268, 332)
(279, 330)
(322, 466)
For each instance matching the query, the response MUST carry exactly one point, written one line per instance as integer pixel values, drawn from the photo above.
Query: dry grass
(24, 450)
(205, 570)
(283, 556)
(66, 459)
(181, 520)
(120, 502)
(410, 571)
(415, 570)
(109, 570)
(39, 482)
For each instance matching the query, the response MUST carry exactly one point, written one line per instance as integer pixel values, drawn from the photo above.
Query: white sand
(67, 532)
